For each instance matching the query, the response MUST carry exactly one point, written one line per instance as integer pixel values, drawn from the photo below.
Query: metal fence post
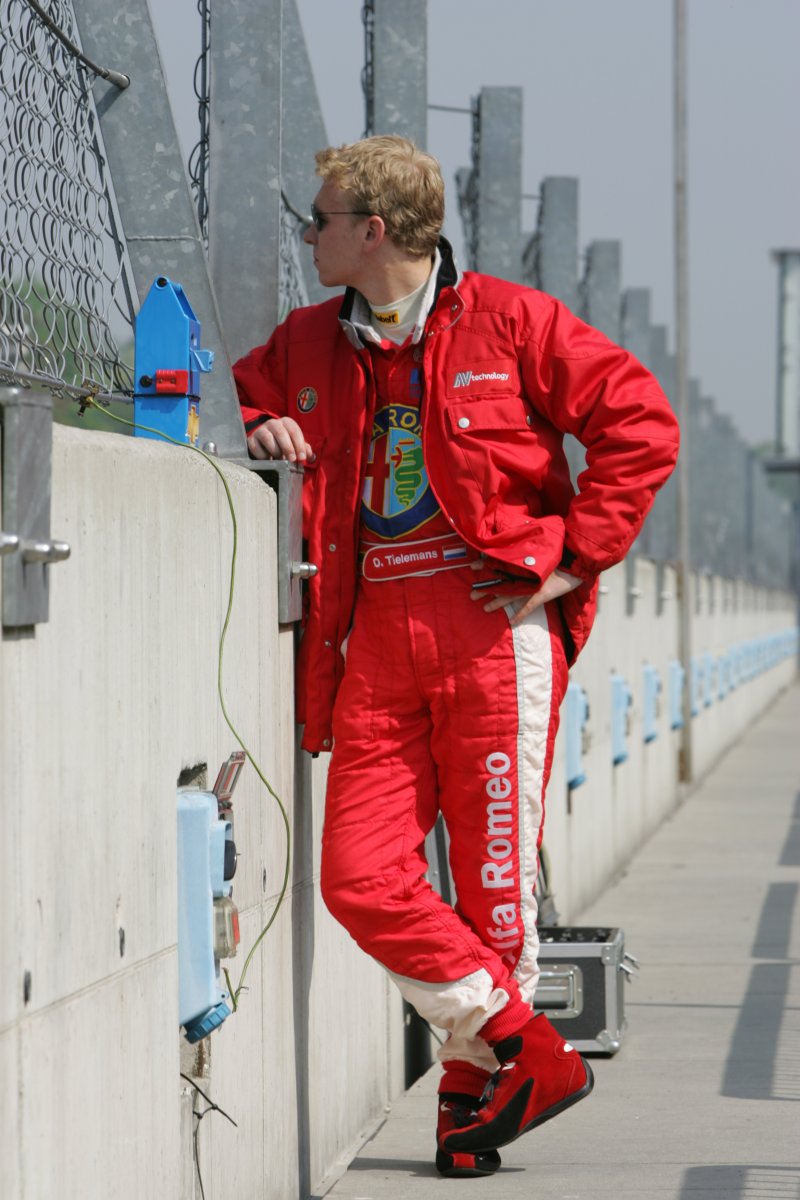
(27, 549)
(245, 168)
(400, 65)
(303, 133)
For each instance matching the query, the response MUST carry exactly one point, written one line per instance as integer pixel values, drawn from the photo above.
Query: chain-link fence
(66, 306)
(198, 159)
(291, 286)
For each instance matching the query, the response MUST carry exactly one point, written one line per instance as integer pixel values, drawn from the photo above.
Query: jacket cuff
(572, 564)
(254, 422)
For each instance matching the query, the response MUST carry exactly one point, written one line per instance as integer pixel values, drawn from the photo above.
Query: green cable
(91, 401)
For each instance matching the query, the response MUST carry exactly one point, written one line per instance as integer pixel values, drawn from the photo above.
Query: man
(457, 582)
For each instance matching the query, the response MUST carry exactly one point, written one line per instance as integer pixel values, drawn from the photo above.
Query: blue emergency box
(168, 363)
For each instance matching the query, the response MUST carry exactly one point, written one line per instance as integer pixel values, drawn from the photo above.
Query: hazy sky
(597, 83)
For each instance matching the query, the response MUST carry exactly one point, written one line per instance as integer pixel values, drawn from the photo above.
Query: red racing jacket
(508, 371)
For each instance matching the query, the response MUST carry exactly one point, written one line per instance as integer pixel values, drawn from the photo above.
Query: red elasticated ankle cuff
(511, 1019)
(462, 1077)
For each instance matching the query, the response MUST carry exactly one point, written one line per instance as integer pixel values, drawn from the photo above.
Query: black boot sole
(486, 1163)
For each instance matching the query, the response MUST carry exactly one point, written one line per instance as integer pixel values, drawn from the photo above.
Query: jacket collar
(354, 312)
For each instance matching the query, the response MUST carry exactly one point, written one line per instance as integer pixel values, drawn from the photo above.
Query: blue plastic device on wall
(709, 679)
(650, 702)
(695, 685)
(576, 716)
(202, 879)
(168, 364)
(723, 676)
(621, 701)
(677, 676)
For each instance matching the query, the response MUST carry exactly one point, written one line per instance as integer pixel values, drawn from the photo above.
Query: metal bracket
(663, 594)
(632, 592)
(286, 480)
(26, 546)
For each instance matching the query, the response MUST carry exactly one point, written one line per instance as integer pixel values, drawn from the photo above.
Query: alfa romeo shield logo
(397, 498)
(307, 399)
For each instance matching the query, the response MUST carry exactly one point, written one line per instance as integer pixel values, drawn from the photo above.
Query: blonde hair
(390, 177)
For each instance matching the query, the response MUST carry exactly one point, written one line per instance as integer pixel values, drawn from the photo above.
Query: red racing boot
(455, 1111)
(460, 1090)
(540, 1075)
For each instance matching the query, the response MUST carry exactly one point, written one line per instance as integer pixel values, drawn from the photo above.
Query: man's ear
(376, 232)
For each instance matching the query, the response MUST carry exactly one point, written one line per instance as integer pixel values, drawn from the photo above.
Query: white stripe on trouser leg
(534, 659)
(534, 666)
(459, 1006)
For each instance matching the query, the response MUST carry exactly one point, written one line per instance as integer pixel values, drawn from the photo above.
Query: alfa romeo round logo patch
(397, 498)
(307, 399)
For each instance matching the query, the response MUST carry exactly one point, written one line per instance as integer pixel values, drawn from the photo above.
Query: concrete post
(600, 289)
(550, 260)
(661, 361)
(499, 181)
(636, 328)
(661, 523)
(787, 422)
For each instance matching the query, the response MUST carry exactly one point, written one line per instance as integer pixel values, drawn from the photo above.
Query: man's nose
(310, 235)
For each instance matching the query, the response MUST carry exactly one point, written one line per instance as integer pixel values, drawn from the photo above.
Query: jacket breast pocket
(502, 445)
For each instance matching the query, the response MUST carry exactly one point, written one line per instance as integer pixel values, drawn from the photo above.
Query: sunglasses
(320, 219)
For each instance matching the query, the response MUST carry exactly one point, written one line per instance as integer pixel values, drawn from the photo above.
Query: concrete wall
(100, 709)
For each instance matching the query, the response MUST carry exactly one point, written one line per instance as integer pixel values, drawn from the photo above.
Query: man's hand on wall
(280, 437)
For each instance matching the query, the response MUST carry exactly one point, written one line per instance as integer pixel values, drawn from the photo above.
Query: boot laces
(462, 1115)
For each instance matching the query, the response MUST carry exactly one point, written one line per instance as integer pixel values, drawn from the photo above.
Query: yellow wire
(234, 993)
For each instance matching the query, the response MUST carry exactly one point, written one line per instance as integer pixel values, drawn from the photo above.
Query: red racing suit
(507, 372)
(441, 706)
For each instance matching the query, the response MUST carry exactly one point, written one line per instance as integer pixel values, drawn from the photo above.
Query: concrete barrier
(101, 709)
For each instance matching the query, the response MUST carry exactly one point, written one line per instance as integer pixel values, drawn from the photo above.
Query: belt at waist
(401, 559)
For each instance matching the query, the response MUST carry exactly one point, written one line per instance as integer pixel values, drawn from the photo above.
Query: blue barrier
(621, 701)
(711, 678)
(576, 717)
(651, 692)
(677, 677)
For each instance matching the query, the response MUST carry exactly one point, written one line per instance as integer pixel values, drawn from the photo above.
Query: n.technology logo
(465, 378)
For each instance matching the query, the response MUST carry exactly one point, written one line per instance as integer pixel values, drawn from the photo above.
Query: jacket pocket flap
(490, 412)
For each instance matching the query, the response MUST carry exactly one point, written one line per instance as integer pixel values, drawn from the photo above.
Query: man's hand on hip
(280, 437)
(557, 584)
